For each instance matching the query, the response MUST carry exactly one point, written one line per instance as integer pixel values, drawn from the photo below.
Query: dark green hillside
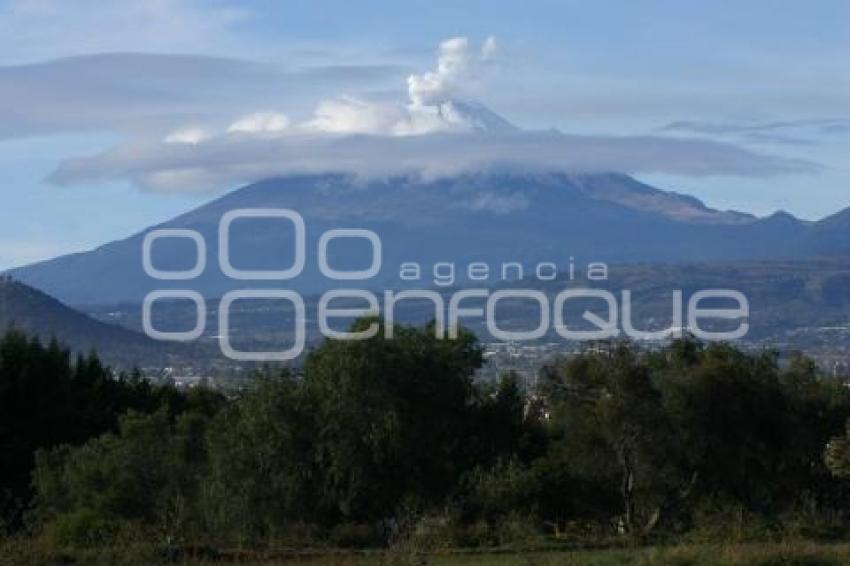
(38, 314)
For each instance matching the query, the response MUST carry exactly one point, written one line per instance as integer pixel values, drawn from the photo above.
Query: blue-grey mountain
(493, 217)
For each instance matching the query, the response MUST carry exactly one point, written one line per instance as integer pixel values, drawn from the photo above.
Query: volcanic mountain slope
(494, 217)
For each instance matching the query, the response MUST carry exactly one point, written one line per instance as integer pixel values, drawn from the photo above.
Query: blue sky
(743, 104)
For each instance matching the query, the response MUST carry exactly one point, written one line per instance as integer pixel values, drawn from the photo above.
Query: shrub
(80, 529)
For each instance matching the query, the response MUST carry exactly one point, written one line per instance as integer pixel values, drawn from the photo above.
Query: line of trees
(48, 399)
(380, 441)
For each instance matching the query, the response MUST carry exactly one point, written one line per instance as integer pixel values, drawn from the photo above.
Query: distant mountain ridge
(624, 190)
(40, 315)
(493, 217)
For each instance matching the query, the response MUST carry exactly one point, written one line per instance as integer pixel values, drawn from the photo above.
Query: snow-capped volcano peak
(475, 116)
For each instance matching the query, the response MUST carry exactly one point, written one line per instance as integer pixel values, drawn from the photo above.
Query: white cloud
(190, 135)
(350, 115)
(151, 95)
(436, 132)
(785, 132)
(260, 122)
(430, 108)
(229, 160)
(457, 69)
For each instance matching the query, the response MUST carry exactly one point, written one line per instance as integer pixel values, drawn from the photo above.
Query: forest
(396, 444)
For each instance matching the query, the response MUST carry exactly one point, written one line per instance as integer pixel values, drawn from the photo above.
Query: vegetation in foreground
(691, 454)
(735, 554)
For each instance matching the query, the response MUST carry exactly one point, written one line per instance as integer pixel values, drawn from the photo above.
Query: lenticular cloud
(437, 131)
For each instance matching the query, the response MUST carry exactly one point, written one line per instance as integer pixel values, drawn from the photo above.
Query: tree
(47, 401)
(263, 476)
(613, 428)
(393, 419)
(147, 475)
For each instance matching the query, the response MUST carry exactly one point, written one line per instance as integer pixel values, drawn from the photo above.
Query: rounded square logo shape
(261, 275)
(184, 336)
(147, 252)
(224, 325)
(352, 275)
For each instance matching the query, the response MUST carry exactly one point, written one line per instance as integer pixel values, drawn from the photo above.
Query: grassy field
(751, 554)
(697, 555)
